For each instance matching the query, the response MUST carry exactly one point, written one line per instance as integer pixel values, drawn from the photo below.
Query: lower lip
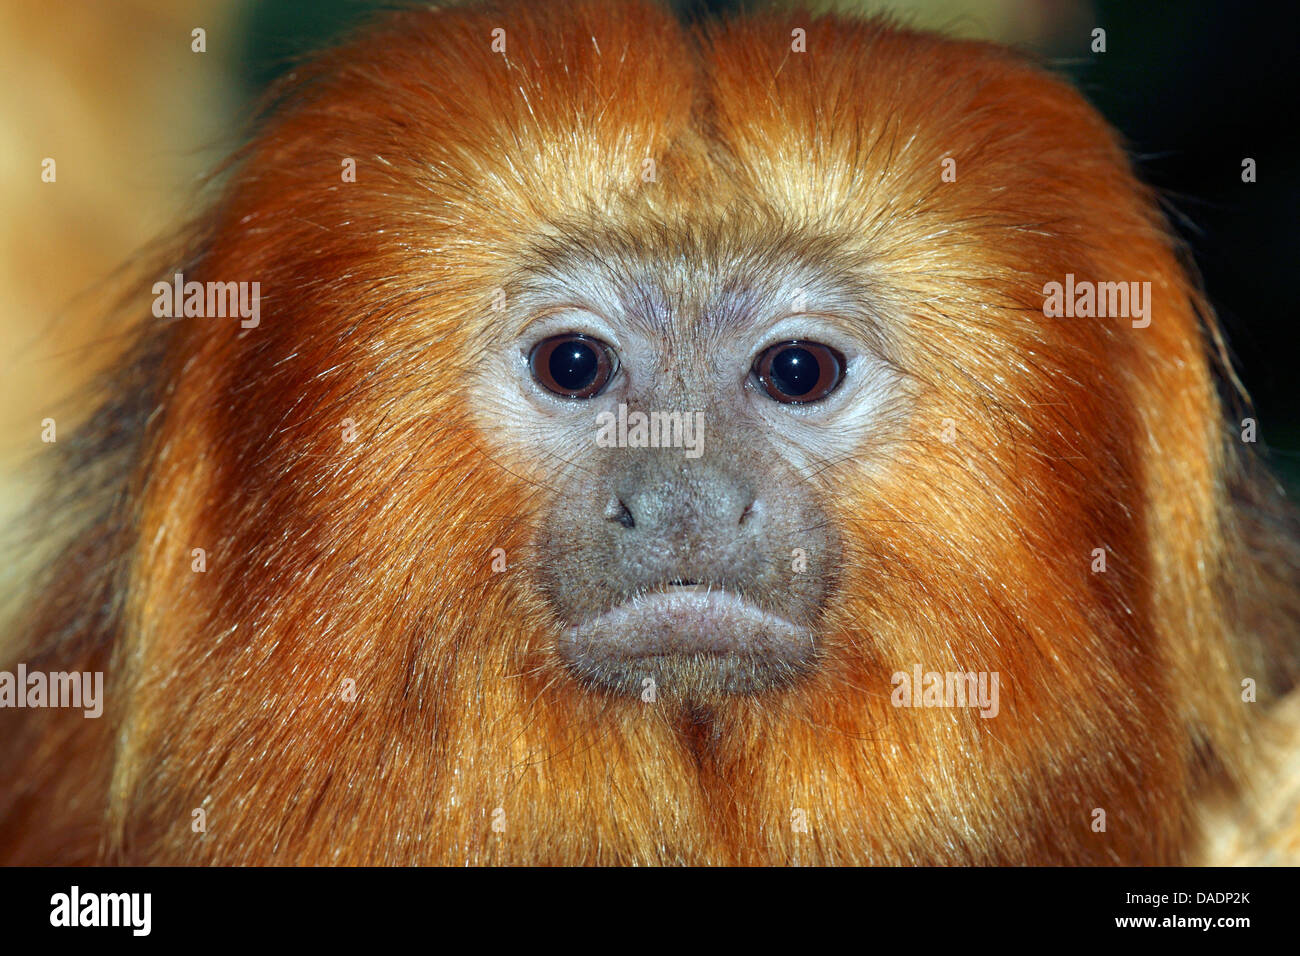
(687, 622)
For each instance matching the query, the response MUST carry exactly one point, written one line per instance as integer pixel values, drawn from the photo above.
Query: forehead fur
(467, 157)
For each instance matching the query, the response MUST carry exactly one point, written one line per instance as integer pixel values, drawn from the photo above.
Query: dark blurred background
(135, 116)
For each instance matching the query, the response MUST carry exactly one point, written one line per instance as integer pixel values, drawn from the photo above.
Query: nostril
(750, 509)
(617, 511)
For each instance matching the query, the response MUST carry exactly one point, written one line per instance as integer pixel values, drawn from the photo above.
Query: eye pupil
(795, 371)
(573, 366)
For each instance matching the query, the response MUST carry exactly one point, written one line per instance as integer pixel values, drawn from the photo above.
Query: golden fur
(370, 561)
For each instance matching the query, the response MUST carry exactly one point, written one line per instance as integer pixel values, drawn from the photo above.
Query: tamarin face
(639, 407)
(699, 556)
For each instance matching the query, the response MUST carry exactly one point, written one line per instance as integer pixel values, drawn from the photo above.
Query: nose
(688, 523)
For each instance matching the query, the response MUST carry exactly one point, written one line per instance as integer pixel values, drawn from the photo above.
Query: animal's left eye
(796, 373)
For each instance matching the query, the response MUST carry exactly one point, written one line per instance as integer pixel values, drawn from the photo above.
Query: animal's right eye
(573, 365)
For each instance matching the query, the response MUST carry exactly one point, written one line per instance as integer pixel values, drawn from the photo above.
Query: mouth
(691, 639)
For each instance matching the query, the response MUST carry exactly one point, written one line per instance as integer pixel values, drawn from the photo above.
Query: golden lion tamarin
(660, 443)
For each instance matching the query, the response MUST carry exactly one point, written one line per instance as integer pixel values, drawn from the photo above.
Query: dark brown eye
(799, 372)
(572, 365)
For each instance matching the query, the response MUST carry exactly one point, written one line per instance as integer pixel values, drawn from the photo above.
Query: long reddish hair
(350, 681)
